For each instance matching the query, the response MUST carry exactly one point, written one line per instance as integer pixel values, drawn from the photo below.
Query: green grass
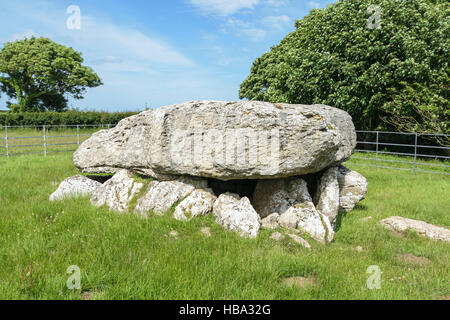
(123, 256)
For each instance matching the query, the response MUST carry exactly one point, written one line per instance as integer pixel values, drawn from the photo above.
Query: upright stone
(200, 202)
(77, 186)
(352, 188)
(327, 195)
(304, 216)
(117, 192)
(161, 196)
(237, 214)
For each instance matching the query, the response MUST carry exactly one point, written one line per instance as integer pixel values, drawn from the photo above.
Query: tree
(376, 74)
(39, 73)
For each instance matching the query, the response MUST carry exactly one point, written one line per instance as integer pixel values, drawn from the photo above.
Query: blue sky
(159, 52)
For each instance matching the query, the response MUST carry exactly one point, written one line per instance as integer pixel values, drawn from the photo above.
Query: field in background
(56, 139)
(123, 256)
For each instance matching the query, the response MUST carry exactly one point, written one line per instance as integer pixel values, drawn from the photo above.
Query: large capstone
(223, 140)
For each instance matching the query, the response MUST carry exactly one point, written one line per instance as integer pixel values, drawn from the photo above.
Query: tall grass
(123, 256)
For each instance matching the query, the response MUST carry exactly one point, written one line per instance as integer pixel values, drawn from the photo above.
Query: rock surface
(223, 140)
(237, 214)
(271, 196)
(271, 221)
(352, 188)
(199, 202)
(73, 187)
(117, 192)
(161, 196)
(401, 224)
(327, 195)
(304, 216)
(277, 236)
(300, 240)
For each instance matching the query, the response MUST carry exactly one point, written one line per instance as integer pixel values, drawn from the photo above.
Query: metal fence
(23, 140)
(415, 152)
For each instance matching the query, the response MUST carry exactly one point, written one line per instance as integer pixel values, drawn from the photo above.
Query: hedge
(62, 118)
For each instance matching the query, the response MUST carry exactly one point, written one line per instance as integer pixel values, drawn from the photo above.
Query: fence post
(6, 141)
(78, 135)
(45, 141)
(415, 153)
(376, 156)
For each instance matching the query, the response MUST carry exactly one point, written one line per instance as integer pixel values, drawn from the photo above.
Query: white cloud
(276, 22)
(98, 38)
(223, 7)
(313, 4)
(22, 35)
(107, 37)
(254, 34)
(277, 3)
(243, 28)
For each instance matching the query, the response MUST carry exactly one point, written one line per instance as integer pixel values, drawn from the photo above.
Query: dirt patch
(397, 234)
(444, 298)
(412, 259)
(206, 231)
(88, 295)
(300, 282)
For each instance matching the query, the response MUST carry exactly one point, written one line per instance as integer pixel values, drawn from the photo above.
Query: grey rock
(271, 196)
(277, 236)
(223, 140)
(289, 219)
(300, 240)
(401, 224)
(77, 186)
(271, 221)
(117, 192)
(327, 195)
(278, 195)
(161, 196)
(237, 214)
(199, 202)
(304, 216)
(352, 188)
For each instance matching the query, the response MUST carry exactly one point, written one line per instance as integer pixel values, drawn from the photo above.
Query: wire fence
(415, 152)
(46, 139)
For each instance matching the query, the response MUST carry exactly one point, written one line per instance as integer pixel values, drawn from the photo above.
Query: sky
(155, 53)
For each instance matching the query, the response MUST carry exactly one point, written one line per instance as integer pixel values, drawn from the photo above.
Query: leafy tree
(396, 75)
(39, 73)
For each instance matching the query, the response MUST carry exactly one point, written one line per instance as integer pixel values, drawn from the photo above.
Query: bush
(392, 77)
(61, 118)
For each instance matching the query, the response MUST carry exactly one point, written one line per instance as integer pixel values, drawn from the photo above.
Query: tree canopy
(40, 73)
(395, 75)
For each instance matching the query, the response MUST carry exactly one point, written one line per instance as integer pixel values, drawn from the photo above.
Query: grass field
(122, 256)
